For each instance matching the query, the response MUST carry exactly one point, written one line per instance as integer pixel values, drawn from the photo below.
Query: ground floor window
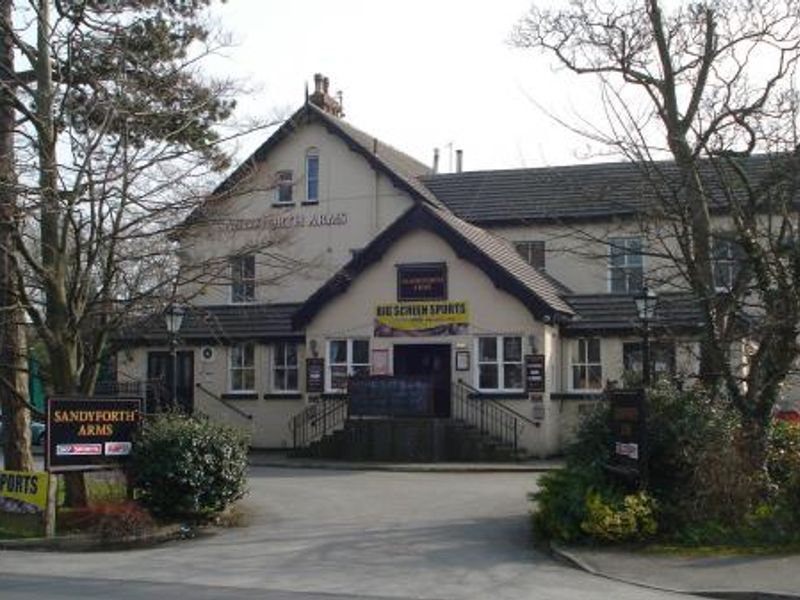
(242, 367)
(662, 360)
(500, 363)
(586, 365)
(346, 358)
(284, 367)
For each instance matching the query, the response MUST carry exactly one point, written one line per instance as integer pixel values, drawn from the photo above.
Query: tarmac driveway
(357, 534)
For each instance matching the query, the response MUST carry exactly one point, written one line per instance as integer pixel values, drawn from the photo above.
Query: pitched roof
(403, 170)
(617, 313)
(575, 192)
(496, 257)
(219, 324)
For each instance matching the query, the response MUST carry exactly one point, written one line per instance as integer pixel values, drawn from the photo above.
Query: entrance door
(159, 366)
(431, 360)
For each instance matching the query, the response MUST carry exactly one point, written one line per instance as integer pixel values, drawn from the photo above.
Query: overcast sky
(418, 74)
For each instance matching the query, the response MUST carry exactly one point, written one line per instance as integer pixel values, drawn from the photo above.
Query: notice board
(391, 396)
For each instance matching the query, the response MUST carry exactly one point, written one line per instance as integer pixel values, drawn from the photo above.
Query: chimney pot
(325, 83)
(318, 82)
(435, 160)
(459, 160)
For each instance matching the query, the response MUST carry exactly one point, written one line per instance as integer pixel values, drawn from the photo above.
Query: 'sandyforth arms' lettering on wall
(284, 221)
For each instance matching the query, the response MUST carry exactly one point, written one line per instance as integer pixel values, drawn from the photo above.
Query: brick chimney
(322, 99)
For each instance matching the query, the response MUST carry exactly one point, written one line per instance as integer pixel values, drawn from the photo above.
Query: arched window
(312, 176)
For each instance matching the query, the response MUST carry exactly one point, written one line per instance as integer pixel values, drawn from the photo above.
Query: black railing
(153, 391)
(487, 415)
(224, 402)
(317, 420)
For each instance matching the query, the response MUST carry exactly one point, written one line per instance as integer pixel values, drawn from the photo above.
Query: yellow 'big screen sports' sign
(416, 319)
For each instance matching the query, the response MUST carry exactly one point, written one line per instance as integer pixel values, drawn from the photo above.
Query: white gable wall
(355, 203)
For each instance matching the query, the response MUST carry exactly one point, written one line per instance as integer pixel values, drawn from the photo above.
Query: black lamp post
(646, 301)
(173, 317)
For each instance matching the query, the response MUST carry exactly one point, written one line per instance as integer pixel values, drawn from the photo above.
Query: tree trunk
(63, 358)
(13, 364)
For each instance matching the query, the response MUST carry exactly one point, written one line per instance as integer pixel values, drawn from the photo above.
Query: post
(173, 345)
(50, 510)
(645, 353)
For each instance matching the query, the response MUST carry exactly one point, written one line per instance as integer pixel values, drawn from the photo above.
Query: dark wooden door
(432, 360)
(159, 366)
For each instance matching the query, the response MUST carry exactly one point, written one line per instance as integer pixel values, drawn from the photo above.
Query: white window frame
(243, 367)
(312, 154)
(500, 362)
(285, 366)
(281, 182)
(730, 262)
(622, 242)
(238, 278)
(583, 362)
(349, 363)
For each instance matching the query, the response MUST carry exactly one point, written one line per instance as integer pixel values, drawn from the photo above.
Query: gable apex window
(625, 265)
(243, 278)
(283, 187)
(312, 177)
(533, 252)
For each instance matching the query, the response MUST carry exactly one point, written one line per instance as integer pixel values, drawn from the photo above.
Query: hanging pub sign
(84, 433)
(424, 281)
(534, 373)
(415, 319)
(315, 375)
(628, 432)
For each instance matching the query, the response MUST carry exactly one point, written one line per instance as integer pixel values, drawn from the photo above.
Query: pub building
(364, 296)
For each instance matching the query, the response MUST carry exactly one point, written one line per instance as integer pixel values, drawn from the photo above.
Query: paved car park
(343, 533)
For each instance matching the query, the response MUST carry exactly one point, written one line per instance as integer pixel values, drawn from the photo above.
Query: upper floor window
(346, 357)
(625, 268)
(312, 177)
(283, 190)
(242, 367)
(243, 278)
(586, 365)
(532, 252)
(284, 367)
(725, 256)
(500, 363)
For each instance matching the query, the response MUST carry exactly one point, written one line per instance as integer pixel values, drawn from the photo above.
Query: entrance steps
(410, 440)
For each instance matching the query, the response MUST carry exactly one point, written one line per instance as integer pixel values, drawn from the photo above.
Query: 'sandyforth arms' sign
(90, 432)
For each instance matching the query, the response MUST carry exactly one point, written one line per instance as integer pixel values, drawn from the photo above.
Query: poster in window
(315, 375)
(380, 362)
(426, 281)
(534, 373)
(339, 377)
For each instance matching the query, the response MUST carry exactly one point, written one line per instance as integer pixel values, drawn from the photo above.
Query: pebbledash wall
(363, 187)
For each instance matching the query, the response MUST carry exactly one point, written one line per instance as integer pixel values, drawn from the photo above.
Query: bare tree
(713, 87)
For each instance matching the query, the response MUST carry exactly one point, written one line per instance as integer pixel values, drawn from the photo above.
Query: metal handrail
(317, 420)
(487, 415)
(224, 402)
(500, 405)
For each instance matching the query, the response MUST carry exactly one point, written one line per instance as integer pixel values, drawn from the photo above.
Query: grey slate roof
(505, 257)
(575, 192)
(220, 324)
(617, 313)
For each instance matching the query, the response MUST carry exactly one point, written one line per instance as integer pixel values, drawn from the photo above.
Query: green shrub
(188, 466)
(561, 504)
(609, 519)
